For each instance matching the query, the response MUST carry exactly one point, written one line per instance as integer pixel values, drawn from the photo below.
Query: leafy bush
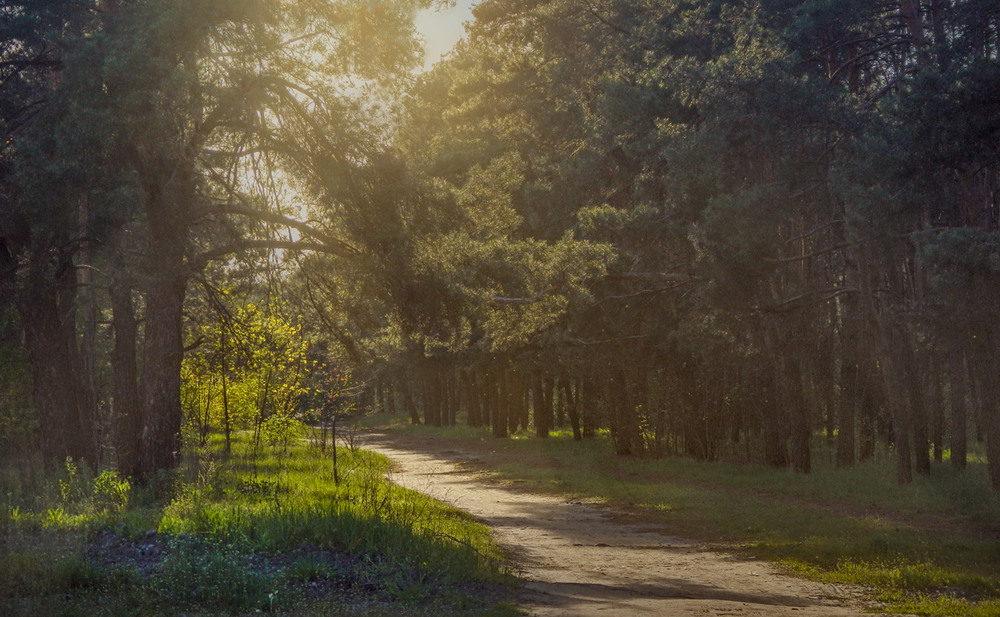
(111, 492)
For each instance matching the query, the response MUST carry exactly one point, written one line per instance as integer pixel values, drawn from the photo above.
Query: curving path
(584, 560)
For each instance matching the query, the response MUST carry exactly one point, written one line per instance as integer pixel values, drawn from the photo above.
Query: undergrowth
(272, 533)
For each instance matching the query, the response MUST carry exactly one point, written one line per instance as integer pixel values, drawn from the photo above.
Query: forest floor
(585, 559)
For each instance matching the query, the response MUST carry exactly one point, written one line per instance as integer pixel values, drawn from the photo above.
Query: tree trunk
(918, 409)
(125, 381)
(572, 408)
(776, 417)
(991, 424)
(849, 390)
(936, 403)
(227, 418)
(161, 379)
(163, 347)
(62, 405)
(624, 425)
(453, 392)
(541, 406)
(959, 425)
(408, 403)
(894, 379)
(496, 397)
(869, 408)
(474, 415)
(588, 407)
(798, 409)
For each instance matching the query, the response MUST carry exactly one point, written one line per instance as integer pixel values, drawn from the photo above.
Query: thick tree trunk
(163, 348)
(163, 352)
(61, 401)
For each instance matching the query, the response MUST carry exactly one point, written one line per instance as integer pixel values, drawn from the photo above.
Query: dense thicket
(718, 228)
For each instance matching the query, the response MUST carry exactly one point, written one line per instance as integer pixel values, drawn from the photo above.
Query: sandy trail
(584, 560)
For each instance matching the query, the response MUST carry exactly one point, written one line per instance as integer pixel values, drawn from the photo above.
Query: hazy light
(442, 29)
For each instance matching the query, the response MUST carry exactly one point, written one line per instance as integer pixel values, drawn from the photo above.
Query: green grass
(928, 548)
(273, 533)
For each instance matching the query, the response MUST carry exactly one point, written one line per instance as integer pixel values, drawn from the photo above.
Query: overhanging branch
(273, 245)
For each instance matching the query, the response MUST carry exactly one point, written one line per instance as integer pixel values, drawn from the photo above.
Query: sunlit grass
(273, 533)
(918, 546)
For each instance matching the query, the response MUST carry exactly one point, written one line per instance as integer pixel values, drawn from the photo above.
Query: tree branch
(784, 306)
(829, 249)
(248, 245)
(655, 277)
(814, 230)
(531, 300)
(333, 245)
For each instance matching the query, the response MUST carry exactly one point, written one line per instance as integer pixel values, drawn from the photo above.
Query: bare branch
(655, 277)
(273, 245)
(829, 249)
(866, 53)
(830, 294)
(814, 230)
(333, 245)
(579, 341)
(531, 300)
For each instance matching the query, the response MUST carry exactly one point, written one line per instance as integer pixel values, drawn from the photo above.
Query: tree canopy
(719, 229)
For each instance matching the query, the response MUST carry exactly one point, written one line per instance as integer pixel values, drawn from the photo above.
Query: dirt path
(584, 560)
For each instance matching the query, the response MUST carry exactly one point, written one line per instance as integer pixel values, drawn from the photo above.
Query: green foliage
(242, 535)
(203, 573)
(111, 491)
(249, 372)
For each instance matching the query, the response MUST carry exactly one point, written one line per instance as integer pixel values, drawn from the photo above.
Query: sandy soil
(584, 560)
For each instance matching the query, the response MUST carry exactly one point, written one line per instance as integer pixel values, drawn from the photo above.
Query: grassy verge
(929, 548)
(274, 533)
